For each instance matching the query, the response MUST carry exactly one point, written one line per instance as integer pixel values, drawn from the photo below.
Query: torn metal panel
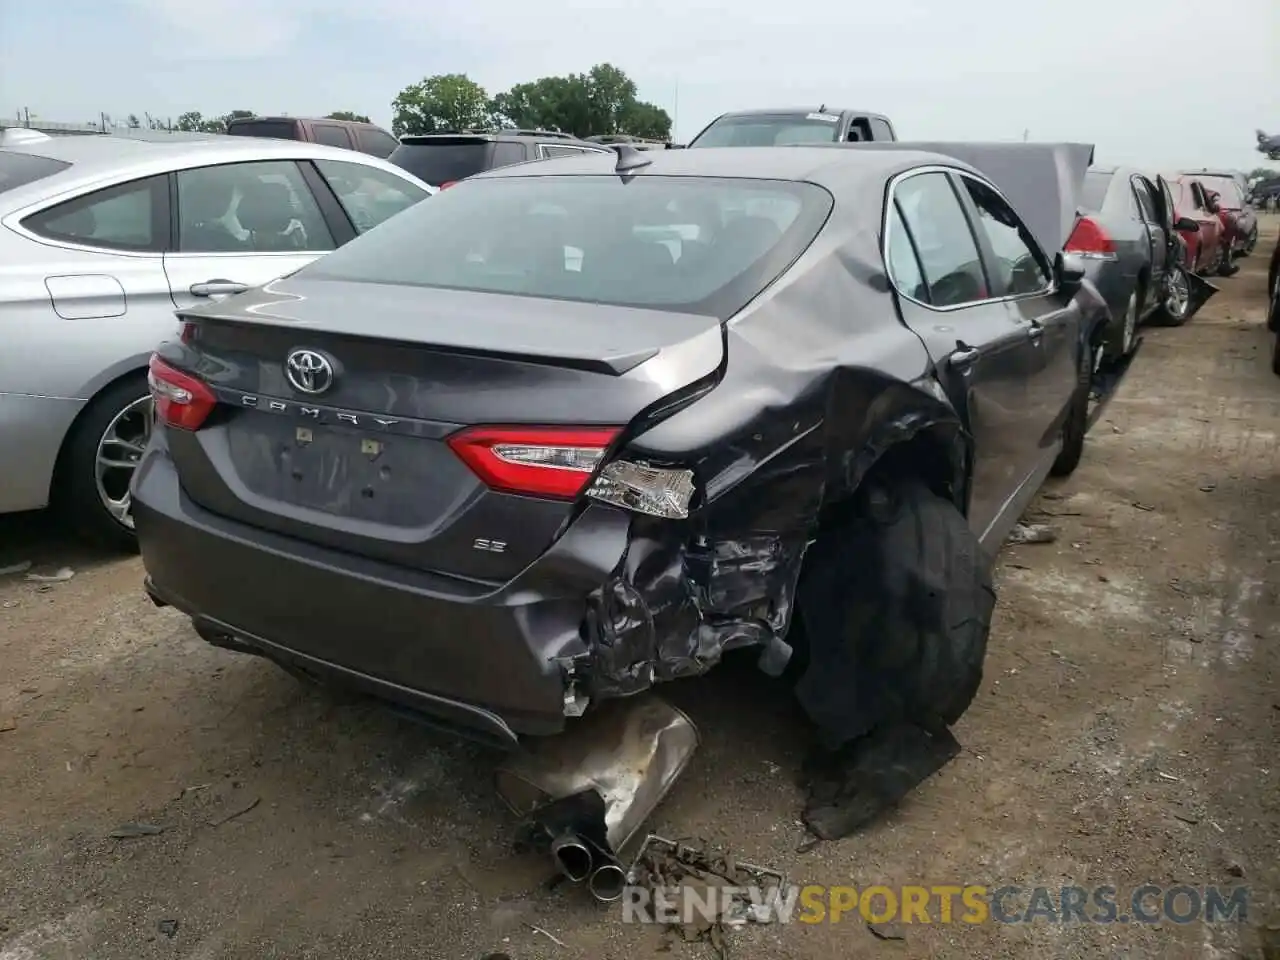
(589, 791)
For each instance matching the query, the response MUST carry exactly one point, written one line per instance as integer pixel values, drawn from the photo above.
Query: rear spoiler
(1043, 181)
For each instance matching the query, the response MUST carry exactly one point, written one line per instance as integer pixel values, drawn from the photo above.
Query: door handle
(1035, 331)
(963, 355)
(217, 288)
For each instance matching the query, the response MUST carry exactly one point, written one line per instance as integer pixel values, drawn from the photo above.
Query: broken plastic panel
(657, 491)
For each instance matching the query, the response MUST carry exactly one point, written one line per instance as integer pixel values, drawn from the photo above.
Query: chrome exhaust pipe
(572, 856)
(608, 882)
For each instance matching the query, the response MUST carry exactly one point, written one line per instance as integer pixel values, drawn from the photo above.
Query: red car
(1205, 246)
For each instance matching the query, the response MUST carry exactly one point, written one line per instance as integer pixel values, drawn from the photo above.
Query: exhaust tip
(572, 857)
(608, 882)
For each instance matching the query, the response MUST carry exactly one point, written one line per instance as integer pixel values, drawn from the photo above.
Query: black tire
(77, 487)
(1076, 425)
(1275, 353)
(1121, 336)
(1251, 242)
(896, 603)
(1226, 266)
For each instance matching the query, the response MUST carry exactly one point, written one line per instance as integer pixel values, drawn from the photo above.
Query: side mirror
(1070, 269)
(1186, 224)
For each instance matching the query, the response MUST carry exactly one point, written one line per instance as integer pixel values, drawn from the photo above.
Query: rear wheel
(1175, 308)
(1076, 425)
(1251, 242)
(98, 461)
(1275, 353)
(896, 606)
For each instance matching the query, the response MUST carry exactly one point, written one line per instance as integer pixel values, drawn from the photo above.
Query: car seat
(266, 211)
(201, 206)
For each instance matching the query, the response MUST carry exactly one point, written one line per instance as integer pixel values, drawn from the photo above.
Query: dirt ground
(1126, 732)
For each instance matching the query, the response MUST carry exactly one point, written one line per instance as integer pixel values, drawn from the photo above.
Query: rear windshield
(277, 129)
(19, 169)
(440, 161)
(1228, 190)
(1095, 189)
(690, 245)
(755, 130)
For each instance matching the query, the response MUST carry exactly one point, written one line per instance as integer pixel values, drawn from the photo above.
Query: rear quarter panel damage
(804, 410)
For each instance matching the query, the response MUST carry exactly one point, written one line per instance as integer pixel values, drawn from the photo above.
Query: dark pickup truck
(789, 126)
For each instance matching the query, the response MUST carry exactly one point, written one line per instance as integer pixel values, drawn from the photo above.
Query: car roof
(821, 108)
(812, 164)
(354, 123)
(95, 158)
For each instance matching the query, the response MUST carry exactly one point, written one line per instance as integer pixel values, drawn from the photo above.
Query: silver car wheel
(1179, 298)
(1130, 324)
(119, 450)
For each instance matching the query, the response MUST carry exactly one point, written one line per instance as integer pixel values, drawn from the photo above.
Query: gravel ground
(1126, 732)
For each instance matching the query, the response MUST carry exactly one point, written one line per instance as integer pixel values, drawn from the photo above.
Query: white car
(101, 239)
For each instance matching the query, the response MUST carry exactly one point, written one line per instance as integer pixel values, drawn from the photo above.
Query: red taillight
(551, 462)
(181, 400)
(1088, 239)
(447, 184)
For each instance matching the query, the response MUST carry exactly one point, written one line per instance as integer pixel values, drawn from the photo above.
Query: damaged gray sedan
(578, 427)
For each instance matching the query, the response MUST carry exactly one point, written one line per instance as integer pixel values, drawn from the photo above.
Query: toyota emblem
(308, 371)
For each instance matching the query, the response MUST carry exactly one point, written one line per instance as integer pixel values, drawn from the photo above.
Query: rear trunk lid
(363, 464)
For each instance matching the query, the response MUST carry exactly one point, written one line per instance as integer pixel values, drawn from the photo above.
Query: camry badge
(308, 371)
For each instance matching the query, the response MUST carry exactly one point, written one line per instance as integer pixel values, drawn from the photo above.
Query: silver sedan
(101, 238)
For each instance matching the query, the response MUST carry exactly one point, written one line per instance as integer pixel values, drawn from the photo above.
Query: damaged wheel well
(929, 455)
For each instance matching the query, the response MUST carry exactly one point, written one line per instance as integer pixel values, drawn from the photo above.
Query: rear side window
(947, 250)
(132, 216)
(331, 135)
(690, 245)
(19, 169)
(440, 160)
(278, 129)
(367, 194)
(1096, 185)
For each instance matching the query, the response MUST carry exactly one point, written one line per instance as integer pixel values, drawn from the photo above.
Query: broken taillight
(1090, 240)
(549, 462)
(181, 400)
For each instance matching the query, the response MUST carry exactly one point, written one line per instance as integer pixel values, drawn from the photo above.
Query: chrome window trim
(13, 219)
(885, 222)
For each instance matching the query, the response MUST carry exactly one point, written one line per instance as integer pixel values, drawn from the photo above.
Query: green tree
(551, 103)
(348, 115)
(602, 100)
(642, 119)
(1265, 173)
(134, 122)
(191, 121)
(448, 101)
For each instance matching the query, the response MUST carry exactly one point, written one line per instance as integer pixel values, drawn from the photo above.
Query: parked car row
(596, 419)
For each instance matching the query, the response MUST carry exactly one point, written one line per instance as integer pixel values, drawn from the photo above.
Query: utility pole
(675, 119)
(1025, 133)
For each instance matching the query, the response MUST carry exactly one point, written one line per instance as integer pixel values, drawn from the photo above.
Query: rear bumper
(490, 661)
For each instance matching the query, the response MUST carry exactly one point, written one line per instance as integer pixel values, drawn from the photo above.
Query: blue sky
(1164, 83)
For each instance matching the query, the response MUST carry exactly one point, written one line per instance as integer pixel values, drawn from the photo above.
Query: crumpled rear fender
(773, 449)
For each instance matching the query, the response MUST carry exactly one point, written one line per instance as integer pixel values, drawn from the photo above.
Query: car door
(1021, 274)
(1157, 236)
(241, 225)
(980, 348)
(86, 301)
